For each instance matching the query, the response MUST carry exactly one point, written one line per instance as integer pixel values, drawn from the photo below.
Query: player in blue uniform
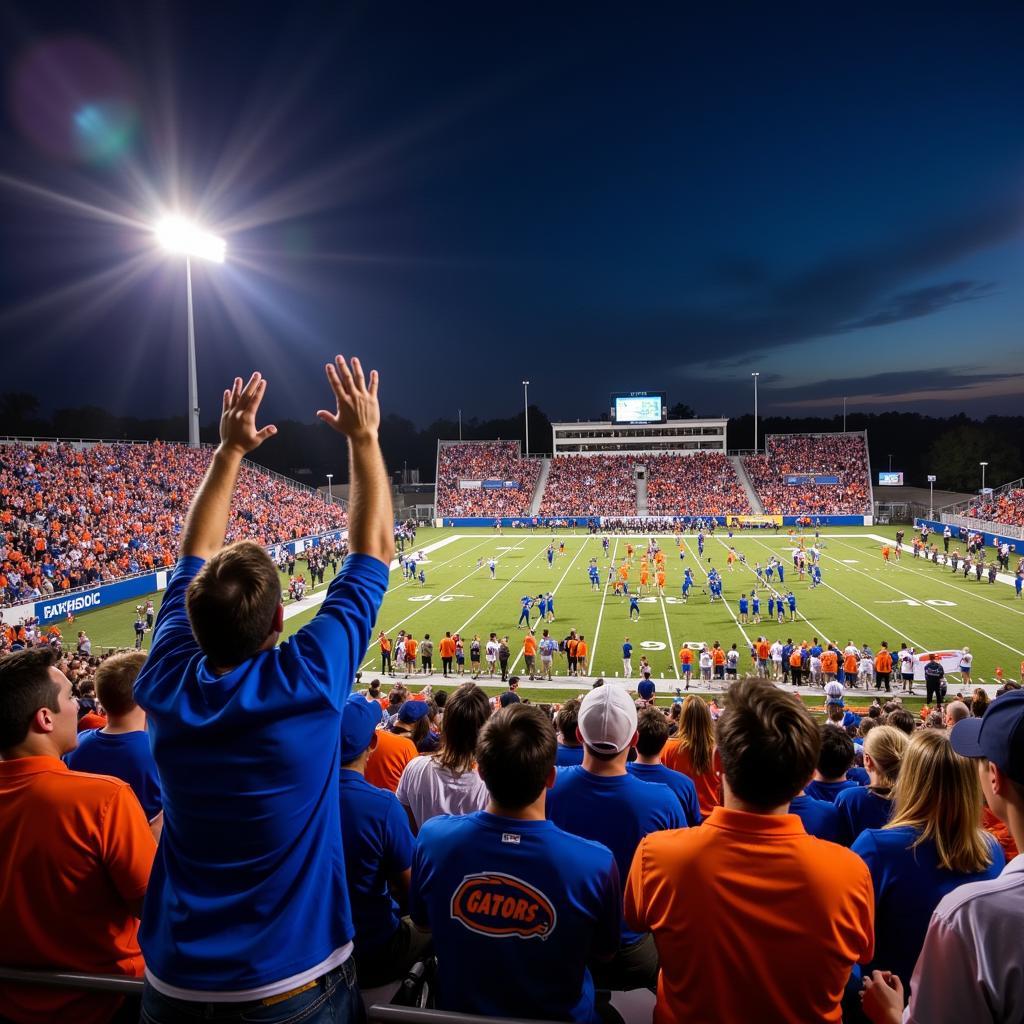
(700, 543)
(551, 555)
(542, 607)
(634, 606)
(815, 575)
(604, 544)
(423, 577)
(769, 571)
(492, 565)
(595, 579)
(771, 606)
(755, 607)
(469, 871)
(524, 612)
(551, 607)
(791, 601)
(687, 583)
(744, 606)
(780, 568)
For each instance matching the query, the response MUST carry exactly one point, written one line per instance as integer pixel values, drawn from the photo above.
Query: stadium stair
(641, 493)
(538, 491)
(741, 474)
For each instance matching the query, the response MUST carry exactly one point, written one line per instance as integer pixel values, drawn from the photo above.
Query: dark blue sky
(593, 197)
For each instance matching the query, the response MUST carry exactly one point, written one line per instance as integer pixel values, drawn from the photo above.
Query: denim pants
(333, 999)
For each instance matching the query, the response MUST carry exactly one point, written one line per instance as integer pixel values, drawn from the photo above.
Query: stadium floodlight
(175, 234)
(526, 414)
(184, 238)
(983, 465)
(755, 374)
(330, 492)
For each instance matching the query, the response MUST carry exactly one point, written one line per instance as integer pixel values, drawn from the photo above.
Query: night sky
(597, 197)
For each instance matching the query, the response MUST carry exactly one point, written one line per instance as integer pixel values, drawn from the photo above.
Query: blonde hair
(886, 745)
(696, 733)
(939, 794)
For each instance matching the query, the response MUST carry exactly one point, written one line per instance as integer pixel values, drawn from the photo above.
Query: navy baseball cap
(998, 735)
(646, 689)
(508, 697)
(359, 721)
(413, 711)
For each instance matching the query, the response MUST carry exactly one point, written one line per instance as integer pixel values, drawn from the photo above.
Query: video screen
(890, 479)
(639, 407)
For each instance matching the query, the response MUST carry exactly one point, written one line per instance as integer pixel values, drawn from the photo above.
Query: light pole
(844, 415)
(330, 491)
(755, 374)
(931, 496)
(983, 465)
(526, 414)
(460, 424)
(177, 235)
(890, 462)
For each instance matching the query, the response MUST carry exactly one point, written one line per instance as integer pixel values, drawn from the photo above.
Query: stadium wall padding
(543, 521)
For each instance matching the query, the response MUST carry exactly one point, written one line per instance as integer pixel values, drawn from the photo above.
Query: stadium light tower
(330, 492)
(931, 495)
(177, 235)
(983, 465)
(755, 375)
(526, 414)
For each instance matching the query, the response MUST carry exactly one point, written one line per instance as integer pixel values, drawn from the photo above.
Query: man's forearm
(371, 526)
(207, 521)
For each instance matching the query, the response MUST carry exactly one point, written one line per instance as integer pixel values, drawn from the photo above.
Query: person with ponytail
(869, 806)
(932, 844)
(691, 751)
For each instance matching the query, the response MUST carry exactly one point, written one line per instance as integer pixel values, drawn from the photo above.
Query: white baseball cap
(607, 719)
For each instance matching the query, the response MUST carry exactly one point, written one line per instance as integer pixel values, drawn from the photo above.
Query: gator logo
(500, 905)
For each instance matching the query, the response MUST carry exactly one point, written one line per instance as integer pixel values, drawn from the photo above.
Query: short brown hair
(515, 754)
(25, 687)
(115, 681)
(464, 716)
(567, 719)
(652, 732)
(768, 743)
(232, 601)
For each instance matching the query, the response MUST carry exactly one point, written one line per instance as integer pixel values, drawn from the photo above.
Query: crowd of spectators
(1006, 508)
(478, 461)
(72, 517)
(701, 484)
(843, 456)
(583, 485)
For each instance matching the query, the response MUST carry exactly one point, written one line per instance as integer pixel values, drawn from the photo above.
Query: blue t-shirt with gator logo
(524, 894)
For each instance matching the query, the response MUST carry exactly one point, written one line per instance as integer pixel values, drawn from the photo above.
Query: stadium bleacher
(477, 462)
(74, 516)
(843, 457)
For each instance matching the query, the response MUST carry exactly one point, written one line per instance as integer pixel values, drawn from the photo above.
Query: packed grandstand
(807, 474)
(74, 516)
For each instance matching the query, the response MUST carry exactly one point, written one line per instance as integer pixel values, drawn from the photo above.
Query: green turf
(861, 600)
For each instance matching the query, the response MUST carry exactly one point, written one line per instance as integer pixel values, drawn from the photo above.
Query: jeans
(333, 999)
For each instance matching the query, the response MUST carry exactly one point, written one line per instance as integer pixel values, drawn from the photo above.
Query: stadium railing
(74, 979)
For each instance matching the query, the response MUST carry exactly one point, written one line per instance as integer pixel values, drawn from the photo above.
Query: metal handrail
(74, 979)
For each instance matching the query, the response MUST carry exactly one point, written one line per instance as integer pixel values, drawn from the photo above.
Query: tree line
(950, 447)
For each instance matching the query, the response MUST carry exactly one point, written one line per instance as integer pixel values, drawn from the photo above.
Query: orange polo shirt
(708, 788)
(77, 852)
(753, 919)
(883, 662)
(530, 645)
(446, 647)
(388, 759)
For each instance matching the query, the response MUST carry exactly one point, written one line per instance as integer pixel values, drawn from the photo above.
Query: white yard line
(600, 610)
(930, 607)
(586, 540)
(529, 562)
(778, 596)
(668, 633)
(846, 597)
(433, 600)
(725, 601)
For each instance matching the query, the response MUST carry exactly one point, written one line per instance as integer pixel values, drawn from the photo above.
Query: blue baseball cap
(646, 689)
(998, 735)
(413, 711)
(359, 721)
(509, 697)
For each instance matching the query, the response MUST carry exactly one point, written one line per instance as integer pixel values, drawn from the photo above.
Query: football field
(860, 599)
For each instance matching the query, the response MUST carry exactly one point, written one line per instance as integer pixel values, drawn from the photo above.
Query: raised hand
(238, 431)
(358, 411)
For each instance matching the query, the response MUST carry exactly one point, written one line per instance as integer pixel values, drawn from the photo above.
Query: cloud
(901, 387)
(923, 302)
(856, 291)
